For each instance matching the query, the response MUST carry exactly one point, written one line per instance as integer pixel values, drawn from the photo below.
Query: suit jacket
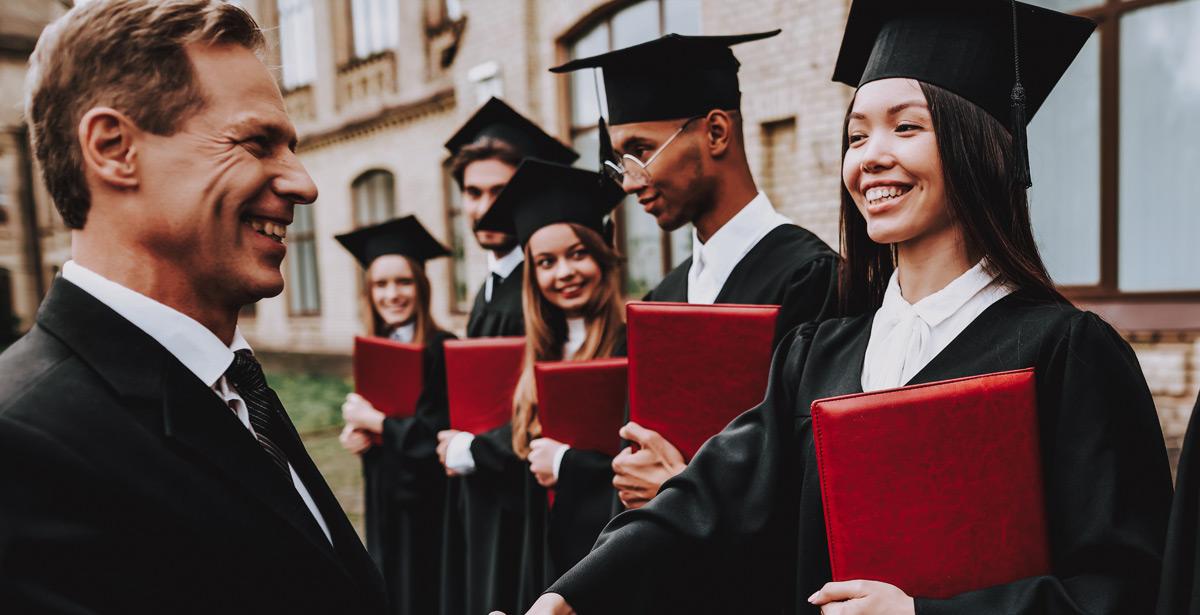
(128, 486)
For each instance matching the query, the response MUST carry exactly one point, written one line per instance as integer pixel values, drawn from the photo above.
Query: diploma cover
(481, 377)
(582, 403)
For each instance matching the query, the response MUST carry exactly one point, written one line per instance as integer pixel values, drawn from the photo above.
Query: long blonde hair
(425, 327)
(604, 317)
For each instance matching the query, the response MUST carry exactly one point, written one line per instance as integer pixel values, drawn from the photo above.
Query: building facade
(376, 86)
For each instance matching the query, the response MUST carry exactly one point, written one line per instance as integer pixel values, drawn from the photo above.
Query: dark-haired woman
(404, 483)
(942, 280)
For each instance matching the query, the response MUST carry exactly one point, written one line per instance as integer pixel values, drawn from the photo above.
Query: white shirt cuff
(558, 457)
(458, 454)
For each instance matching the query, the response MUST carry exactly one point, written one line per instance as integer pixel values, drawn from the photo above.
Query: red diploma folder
(481, 376)
(693, 368)
(582, 403)
(935, 488)
(389, 374)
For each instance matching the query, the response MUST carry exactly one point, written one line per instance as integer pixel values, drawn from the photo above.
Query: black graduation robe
(481, 548)
(404, 493)
(748, 507)
(1180, 580)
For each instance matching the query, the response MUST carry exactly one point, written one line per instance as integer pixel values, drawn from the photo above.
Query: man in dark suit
(145, 465)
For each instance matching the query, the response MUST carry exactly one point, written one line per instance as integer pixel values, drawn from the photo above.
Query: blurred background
(376, 86)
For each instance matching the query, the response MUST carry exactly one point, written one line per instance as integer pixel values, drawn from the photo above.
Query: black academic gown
(1181, 566)
(556, 538)
(481, 549)
(748, 507)
(130, 487)
(405, 489)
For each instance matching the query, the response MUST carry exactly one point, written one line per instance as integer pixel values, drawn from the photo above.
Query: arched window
(650, 253)
(374, 197)
(303, 288)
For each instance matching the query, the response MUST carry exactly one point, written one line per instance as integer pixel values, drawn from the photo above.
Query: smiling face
(482, 182)
(678, 190)
(568, 275)
(393, 289)
(220, 192)
(892, 168)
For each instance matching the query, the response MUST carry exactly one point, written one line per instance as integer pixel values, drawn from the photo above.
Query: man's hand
(354, 440)
(862, 598)
(542, 452)
(444, 437)
(360, 414)
(638, 476)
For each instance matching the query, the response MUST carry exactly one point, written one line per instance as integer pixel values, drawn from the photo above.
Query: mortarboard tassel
(606, 146)
(1020, 140)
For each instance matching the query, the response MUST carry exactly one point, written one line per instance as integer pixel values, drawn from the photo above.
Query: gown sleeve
(415, 437)
(1178, 593)
(1107, 483)
(731, 495)
(810, 296)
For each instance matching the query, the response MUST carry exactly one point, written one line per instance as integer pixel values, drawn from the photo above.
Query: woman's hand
(444, 437)
(542, 452)
(638, 476)
(862, 598)
(354, 440)
(549, 604)
(360, 414)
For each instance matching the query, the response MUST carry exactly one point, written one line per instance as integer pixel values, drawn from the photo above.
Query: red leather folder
(481, 376)
(693, 368)
(935, 488)
(582, 403)
(389, 374)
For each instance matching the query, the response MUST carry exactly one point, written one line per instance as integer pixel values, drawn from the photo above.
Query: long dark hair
(983, 199)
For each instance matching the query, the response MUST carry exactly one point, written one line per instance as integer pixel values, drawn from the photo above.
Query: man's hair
(485, 149)
(126, 54)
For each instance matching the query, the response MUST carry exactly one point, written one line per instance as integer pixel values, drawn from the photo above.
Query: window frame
(294, 285)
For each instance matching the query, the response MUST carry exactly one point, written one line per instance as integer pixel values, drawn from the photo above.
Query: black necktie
(496, 281)
(247, 377)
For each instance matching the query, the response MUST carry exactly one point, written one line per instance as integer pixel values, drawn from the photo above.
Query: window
(297, 52)
(374, 198)
(304, 294)
(1112, 152)
(649, 252)
(376, 26)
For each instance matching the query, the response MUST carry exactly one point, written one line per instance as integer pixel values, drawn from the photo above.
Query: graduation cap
(404, 236)
(543, 193)
(497, 120)
(671, 77)
(1001, 55)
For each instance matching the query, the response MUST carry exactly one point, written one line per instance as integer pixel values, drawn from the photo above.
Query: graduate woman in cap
(403, 480)
(573, 311)
(484, 494)
(677, 144)
(942, 280)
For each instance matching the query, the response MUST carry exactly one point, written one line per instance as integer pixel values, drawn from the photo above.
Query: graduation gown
(481, 547)
(1180, 580)
(404, 493)
(748, 507)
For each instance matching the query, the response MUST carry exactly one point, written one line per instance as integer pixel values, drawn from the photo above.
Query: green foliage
(313, 401)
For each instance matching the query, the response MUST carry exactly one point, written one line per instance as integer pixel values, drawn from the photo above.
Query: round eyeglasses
(636, 170)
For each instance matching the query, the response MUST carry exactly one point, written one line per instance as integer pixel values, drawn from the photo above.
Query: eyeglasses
(638, 171)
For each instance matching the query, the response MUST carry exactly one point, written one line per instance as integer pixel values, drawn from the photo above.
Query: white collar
(193, 344)
(504, 267)
(725, 249)
(405, 333)
(937, 307)
(576, 334)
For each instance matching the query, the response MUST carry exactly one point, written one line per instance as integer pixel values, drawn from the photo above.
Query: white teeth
(268, 228)
(885, 192)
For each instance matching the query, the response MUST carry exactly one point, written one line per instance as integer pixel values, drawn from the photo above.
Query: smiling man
(147, 466)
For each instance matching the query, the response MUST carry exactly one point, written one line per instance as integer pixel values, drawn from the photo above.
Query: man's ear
(719, 133)
(106, 139)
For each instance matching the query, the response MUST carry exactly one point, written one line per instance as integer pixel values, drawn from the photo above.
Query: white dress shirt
(905, 336)
(404, 334)
(196, 347)
(502, 267)
(715, 259)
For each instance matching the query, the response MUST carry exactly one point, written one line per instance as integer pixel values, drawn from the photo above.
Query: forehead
(488, 171)
(649, 131)
(552, 238)
(238, 87)
(879, 96)
(389, 265)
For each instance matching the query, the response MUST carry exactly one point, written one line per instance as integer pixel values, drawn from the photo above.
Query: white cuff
(458, 454)
(558, 457)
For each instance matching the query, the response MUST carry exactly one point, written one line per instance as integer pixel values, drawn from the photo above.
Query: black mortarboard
(966, 47)
(671, 77)
(497, 120)
(543, 193)
(404, 236)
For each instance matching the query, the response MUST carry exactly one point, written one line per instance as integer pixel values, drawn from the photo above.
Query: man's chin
(495, 241)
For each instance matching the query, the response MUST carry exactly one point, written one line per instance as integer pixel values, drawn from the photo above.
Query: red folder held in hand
(693, 368)
(935, 488)
(582, 403)
(481, 377)
(390, 375)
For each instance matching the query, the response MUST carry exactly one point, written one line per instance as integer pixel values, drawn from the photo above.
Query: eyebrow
(275, 131)
(624, 146)
(577, 244)
(894, 109)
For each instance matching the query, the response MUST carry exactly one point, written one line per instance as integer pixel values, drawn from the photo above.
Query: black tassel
(1020, 141)
(606, 146)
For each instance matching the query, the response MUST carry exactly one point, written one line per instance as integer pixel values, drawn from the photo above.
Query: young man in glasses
(677, 144)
